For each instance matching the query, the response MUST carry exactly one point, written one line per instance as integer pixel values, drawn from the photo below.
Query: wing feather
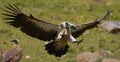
(82, 28)
(29, 24)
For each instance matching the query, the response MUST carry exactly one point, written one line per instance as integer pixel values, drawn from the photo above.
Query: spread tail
(53, 50)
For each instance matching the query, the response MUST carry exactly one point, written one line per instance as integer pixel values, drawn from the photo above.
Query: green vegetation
(57, 11)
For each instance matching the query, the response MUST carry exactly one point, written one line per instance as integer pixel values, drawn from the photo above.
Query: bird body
(14, 54)
(59, 46)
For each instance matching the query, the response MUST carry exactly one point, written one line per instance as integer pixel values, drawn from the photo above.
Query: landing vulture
(46, 31)
(14, 54)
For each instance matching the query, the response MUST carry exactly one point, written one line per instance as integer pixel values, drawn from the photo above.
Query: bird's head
(16, 41)
(68, 25)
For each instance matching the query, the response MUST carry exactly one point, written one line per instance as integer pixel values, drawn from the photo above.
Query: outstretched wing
(29, 24)
(82, 28)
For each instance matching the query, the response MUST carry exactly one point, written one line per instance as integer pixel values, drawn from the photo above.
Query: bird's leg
(73, 40)
(79, 42)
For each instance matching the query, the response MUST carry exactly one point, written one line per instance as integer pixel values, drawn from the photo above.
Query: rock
(27, 57)
(110, 60)
(87, 57)
(110, 26)
(93, 57)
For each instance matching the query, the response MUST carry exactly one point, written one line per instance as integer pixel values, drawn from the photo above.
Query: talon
(79, 42)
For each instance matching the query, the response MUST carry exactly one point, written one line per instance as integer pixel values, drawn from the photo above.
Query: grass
(57, 11)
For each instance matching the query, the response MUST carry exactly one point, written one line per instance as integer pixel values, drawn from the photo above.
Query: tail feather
(50, 47)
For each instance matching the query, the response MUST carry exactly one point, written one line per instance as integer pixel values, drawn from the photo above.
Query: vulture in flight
(58, 34)
(14, 54)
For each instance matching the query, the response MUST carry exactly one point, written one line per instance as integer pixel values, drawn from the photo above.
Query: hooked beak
(15, 41)
(72, 26)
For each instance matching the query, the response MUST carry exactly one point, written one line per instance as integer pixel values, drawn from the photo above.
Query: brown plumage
(14, 54)
(40, 29)
(59, 46)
